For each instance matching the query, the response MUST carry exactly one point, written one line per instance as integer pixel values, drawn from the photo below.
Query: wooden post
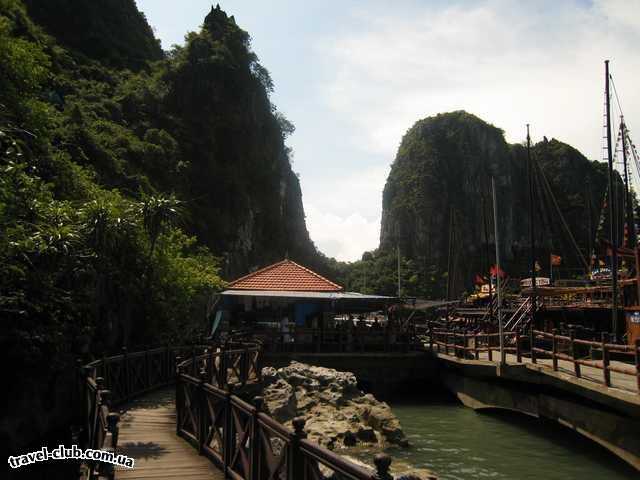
(125, 373)
(176, 367)
(518, 349)
(430, 329)
(297, 459)
(382, 461)
(228, 435)
(532, 341)
(256, 466)
(605, 360)
(576, 366)
(202, 407)
(637, 357)
(112, 426)
(554, 349)
(475, 346)
(168, 367)
(105, 371)
(147, 370)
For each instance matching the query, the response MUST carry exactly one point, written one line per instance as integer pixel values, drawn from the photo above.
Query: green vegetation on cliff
(131, 182)
(438, 195)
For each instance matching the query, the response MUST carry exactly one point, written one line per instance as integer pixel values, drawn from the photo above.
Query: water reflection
(459, 444)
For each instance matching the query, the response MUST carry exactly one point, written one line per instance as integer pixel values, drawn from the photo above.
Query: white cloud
(345, 238)
(507, 62)
(344, 220)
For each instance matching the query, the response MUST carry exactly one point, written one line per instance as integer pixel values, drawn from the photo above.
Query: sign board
(540, 282)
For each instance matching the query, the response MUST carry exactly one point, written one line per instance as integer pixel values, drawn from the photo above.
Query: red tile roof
(285, 276)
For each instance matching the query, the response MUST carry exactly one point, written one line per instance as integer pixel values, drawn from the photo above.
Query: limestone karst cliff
(438, 195)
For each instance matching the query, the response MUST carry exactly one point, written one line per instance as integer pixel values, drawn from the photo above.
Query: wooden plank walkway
(148, 434)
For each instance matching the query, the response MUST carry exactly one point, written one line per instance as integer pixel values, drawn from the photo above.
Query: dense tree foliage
(437, 201)
(130, 182)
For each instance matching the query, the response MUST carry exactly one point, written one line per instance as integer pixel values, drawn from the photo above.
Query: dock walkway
(148, 434)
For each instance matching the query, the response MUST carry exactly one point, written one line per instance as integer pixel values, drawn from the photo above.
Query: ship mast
(612, 230)
(531, 227)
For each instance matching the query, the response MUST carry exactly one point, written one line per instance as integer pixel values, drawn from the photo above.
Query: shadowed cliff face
(246, 200)
(114, 32)
(438, 194)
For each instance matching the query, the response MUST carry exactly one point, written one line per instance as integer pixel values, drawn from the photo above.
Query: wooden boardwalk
(591, 377)
(148, 434)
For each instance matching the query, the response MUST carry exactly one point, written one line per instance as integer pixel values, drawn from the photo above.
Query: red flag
(556, 260)
(478, 280)
(494, 270)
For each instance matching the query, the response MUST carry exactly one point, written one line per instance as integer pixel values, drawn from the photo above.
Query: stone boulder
(336, 412)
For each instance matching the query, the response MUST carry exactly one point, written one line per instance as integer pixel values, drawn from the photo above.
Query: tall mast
(627, 191)
(486, 244)
(612, 211)
(589, 222)
(399, 285)
(498, 287)
(531, 226)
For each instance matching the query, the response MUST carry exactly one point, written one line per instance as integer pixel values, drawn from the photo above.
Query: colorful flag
(556, 260)
(494, 271)
(479, 280)
(538, 267)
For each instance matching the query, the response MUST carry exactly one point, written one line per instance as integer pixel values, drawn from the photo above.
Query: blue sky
(354, 76)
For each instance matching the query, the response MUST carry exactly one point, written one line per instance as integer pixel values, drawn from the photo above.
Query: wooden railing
(472, 345)
(573, 350)
(111, 381)
(543, 345)
(241, 439)
(363, 339)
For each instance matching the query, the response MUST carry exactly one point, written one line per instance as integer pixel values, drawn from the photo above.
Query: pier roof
(287, 276)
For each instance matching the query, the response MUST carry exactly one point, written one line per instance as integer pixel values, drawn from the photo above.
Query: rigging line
(615, 92)
(564, 223)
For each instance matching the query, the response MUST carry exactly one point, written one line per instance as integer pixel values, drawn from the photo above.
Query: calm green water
(457, 443)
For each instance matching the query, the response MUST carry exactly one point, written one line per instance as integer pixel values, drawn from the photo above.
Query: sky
(354, 76)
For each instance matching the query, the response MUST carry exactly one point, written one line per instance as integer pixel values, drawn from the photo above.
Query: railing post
(176, 368)
(554, 349)
(147, 369)
(297, 459)
(202, 408)
(113, 427)
(476, 353)
(105, 371)
(125, 373)
(430, 330)
(576, 366)
(518, 348)
(228, 437)
(532, 342)
(637, 358)
(605, 360)
(382, 461)
(244, 371)
(166, 371)
(489, 351)
(256, 465)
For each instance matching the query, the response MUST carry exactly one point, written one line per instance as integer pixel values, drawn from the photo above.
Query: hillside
(132, 182)
(439, 189)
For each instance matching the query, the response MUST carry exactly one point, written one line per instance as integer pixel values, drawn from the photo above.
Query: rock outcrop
(438, 194)
(337, 413)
